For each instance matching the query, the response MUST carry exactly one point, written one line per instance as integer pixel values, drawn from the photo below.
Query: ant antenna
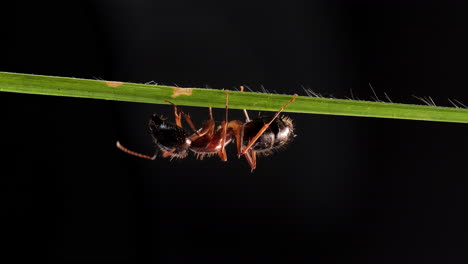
(126, 150)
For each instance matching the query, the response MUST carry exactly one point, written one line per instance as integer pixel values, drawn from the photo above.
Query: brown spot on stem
(113, 84)
(181, 91)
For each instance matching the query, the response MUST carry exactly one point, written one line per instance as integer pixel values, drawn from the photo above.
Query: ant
(262, 135)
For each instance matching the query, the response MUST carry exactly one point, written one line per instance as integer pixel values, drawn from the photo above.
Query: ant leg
(126, 150)
(247, 119)
(207, 128)
(265, 126)
(236, 127)
(251, 158)
(210, 110)
(178, 117)
(253, 153)
(189, 122)
(176, 114)
(222, 152)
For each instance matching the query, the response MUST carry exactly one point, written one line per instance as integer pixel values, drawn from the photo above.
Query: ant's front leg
(178, 113)
(177, 116)
(251, 157)
(189, 121)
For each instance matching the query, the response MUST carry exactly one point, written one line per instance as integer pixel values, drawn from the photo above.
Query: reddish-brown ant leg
(247, 119)
(265, 127)
(176, 114)
(189, 121)
(206, 130)
(178, 117)
(222, 152)
(236, 127)
(253, 153)
(250, 160)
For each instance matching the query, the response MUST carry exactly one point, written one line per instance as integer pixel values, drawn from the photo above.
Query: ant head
(171, 139)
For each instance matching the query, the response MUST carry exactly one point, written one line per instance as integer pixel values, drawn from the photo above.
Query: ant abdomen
(169, 137)
(277, 135)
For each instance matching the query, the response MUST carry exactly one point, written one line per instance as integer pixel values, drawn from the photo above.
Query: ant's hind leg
(251, 158)
(254, 157)
(265, 126)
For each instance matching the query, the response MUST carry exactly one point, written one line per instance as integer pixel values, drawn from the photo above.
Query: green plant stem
(148, 93)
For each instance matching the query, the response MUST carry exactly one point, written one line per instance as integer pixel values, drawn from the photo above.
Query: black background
(347, 189)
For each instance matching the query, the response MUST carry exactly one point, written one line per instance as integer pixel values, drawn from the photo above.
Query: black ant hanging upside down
(261, 135)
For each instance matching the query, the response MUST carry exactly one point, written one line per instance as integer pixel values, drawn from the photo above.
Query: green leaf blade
(157, 94)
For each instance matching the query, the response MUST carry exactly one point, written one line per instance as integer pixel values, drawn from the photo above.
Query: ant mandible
(262, 135)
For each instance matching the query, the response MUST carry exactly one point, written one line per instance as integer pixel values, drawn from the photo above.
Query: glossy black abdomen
(277, 135)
